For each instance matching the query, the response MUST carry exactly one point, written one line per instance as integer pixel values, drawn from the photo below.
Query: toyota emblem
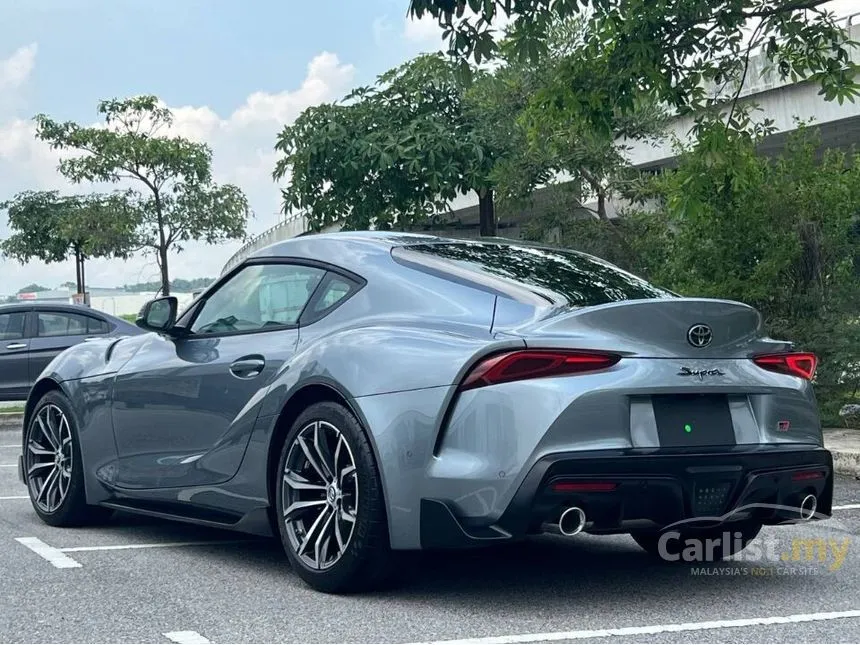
(700, 336)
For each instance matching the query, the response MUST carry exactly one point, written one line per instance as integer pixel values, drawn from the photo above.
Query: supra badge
(701, 374)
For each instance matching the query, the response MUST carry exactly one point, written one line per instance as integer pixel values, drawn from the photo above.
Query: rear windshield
(552, 274)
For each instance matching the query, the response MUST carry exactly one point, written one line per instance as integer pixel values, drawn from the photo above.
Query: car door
(55, 330)
(184, 407)
(14, 348)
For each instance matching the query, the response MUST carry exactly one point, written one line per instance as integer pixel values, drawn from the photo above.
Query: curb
(844, 445)
(11, 421)
(846, 462)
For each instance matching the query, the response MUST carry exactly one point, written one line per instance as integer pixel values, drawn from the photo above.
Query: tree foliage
(780, 234)
(178, 201)
(549, 145)
(670, 51)
(393, 153)
(54, 228)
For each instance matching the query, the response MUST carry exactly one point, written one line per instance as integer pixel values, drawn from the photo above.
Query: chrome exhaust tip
(808, 507)
(572, 521)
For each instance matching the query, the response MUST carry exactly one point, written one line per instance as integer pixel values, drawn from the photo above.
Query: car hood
(96, 357)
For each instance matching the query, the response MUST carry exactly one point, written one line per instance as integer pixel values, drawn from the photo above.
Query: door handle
(247, 367)
(16, 346)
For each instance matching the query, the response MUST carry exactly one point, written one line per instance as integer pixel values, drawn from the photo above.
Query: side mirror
(158, 315)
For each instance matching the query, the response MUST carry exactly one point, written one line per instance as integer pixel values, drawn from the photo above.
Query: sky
(233, 72)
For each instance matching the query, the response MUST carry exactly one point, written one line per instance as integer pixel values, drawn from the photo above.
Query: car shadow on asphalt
(546, 572)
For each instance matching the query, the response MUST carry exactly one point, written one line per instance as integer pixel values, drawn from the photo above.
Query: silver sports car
(360, 394)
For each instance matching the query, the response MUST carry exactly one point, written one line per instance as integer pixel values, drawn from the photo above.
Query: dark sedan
(32, 334)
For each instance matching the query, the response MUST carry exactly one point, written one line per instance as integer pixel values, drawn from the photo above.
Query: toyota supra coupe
(361, 394)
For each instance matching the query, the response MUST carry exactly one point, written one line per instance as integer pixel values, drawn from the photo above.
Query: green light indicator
(688, 427)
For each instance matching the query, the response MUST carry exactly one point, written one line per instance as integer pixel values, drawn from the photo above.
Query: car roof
(341, 243)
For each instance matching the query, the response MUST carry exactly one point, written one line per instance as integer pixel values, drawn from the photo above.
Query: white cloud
(243, 148)
(16, 69)
(422, 31)
(382, 30)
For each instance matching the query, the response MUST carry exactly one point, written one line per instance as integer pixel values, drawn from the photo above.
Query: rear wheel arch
(39, 389)
(300, 401)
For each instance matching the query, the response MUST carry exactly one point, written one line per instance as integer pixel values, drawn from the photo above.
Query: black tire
(739, 536)
(73, 509)
(366, 561)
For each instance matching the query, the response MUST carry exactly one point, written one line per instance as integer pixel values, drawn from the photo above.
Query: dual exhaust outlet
(572, 520)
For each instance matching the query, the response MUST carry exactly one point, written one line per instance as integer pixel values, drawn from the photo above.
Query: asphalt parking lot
(149, 581)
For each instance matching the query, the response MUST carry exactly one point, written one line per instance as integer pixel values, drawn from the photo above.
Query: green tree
(32, 287)
(669, 51)
(394, 153)
(178, 201)
(54, 228)
(548, 147)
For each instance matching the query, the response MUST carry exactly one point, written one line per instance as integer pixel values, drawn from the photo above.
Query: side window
(335, 291)
(60, 324)
(97, 326)
(259, 296)
(12, 325)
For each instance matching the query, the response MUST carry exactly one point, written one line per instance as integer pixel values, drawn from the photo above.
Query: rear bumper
(652, 489)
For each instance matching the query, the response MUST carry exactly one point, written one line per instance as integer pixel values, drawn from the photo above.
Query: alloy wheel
(319, 494)
(49, 458)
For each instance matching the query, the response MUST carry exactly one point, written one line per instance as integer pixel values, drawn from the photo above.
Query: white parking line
(118, 547)
(14, 497)
(11, 445)
(845, 507)
(52, 555)
(186, 637)
(590, 634)
(8, 465)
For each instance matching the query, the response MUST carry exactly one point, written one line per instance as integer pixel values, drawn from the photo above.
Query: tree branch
(775, 11)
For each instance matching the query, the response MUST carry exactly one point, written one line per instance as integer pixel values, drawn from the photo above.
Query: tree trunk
(78, 280)
(162, 248)
(165, 278)
(487, 211)
(83, 290)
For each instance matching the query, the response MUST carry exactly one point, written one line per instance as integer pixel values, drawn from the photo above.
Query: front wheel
(53, 468)
(330, 510)
(697, 546)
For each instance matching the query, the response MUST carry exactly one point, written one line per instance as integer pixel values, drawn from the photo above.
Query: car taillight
(527, 364)
(800, 364)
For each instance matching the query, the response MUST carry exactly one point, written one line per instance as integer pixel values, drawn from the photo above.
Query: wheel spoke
(297, 507)
(297, 482)
(54, 491)
(311, 534)
(338, 536)
(340, 444)
(324, 453)
(45, 433)
(346, 515)
(48, 481)
(53, 428)
(322, 542)
(35, 467)
(64, 478)
(346, 472)
(312, 460)
(36, 449)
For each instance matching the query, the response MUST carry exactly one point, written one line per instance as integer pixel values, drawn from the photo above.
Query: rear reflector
(584, 487)
(806, 475)
(800, 364)
(528, 364)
